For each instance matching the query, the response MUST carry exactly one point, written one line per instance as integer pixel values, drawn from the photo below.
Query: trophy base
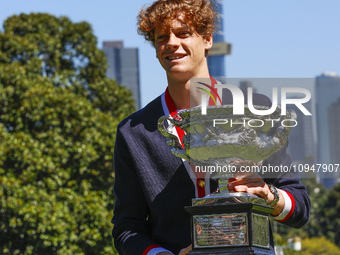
(235, 223)
(232, 251)
(228, 198)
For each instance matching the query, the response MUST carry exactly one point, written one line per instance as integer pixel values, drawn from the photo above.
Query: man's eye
(184, 33)
(160, 37)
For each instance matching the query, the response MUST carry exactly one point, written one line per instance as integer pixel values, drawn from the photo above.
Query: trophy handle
(172, 139)
(279, 138)
(180, 154)
(283, 132)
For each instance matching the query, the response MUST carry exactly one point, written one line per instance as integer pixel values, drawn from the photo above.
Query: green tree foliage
(330, 215)
(58, 117)
(324, 219)
(317, 194)
(318, 246)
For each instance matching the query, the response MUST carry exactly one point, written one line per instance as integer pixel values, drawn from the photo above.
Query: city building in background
(244, 85)
(216, 56)
(334, 131)
(327, 88)
(302, 143)
(123, 67)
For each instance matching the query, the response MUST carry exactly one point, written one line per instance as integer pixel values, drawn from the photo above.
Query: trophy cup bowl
(224, 222)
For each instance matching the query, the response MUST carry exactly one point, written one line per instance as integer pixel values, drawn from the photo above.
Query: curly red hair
(201, 15)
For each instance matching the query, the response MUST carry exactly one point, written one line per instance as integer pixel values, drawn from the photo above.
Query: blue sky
(276, 39)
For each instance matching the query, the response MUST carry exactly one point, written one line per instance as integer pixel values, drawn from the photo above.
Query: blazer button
(201, 184)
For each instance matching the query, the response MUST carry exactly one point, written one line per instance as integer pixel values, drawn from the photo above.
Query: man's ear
(208, 44)
(208, 40)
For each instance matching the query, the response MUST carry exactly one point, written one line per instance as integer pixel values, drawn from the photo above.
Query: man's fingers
(250, 182)
(258, 191)
(186, 250)
(249, 175)
(244, 188)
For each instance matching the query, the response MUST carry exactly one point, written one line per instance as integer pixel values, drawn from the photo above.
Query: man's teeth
(174, 57)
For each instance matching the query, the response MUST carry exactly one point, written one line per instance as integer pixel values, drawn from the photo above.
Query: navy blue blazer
(152, 187)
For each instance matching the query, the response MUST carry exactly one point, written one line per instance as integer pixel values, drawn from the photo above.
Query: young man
(152, 186)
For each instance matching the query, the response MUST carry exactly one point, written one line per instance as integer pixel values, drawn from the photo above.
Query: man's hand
(185, 251)
(253, 184)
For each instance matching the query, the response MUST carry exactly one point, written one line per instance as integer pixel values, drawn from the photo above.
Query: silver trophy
(224, 222)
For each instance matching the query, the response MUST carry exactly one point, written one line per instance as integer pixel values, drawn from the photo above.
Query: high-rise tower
(216, 57)
(123, 67)
(302, 145)
(334, 131)
(327, 95)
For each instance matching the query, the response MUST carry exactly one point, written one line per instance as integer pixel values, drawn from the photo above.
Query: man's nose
(173, 42)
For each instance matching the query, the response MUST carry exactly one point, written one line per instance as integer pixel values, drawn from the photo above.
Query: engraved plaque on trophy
(212, 230)
(224, 222)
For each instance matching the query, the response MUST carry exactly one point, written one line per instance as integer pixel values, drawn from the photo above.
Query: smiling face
(181, 51)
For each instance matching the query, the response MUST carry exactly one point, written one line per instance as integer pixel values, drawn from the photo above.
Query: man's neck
(179, 91)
